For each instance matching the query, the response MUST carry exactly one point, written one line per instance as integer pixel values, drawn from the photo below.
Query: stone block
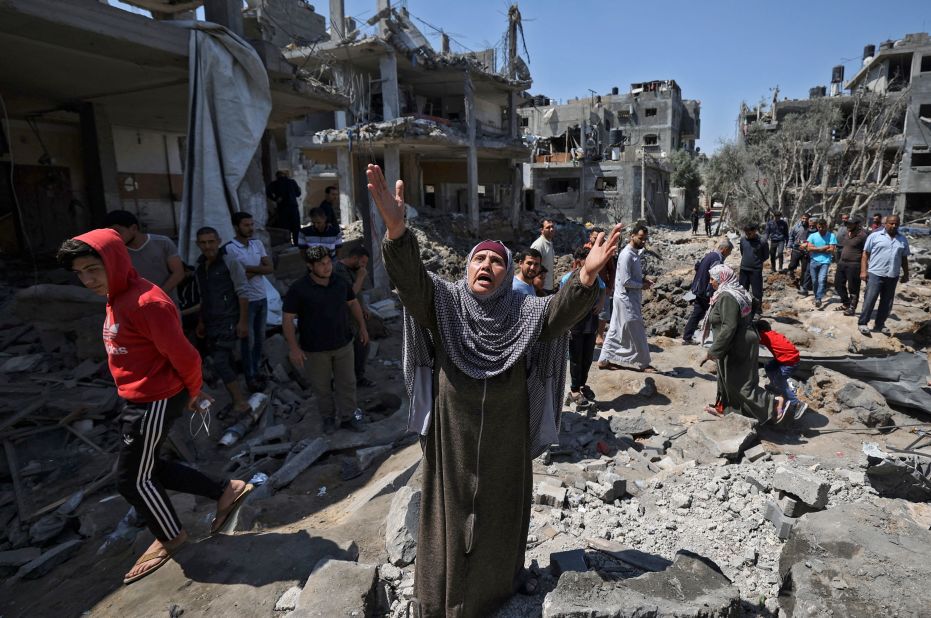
(692, 586)
(755, 453)
(630, 424)
(48, 560)
(288, 601)
(566, 561)
(339, 588)
(725, 437)
(809, 487)
(550, 495)
(780, 521)
(401, 526)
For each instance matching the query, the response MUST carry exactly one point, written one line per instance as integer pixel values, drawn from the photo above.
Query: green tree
(686, 173)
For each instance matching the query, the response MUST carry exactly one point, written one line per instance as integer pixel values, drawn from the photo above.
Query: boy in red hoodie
(785, 360)
(158, 374)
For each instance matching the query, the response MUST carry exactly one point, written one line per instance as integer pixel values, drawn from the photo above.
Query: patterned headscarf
(484, 336)
(727, 284)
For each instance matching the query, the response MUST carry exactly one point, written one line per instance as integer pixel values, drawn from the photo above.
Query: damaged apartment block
(603, 158)
(443, 122)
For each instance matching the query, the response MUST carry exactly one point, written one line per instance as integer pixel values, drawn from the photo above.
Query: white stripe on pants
(153, 425)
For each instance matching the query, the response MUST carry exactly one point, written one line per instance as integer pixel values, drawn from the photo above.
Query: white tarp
(228, 106)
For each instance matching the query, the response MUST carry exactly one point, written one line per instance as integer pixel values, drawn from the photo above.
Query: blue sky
(721, 52)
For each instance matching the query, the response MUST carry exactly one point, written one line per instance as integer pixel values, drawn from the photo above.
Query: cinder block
(780, 521)
(550, 495)
(755, 453)
(807, 486)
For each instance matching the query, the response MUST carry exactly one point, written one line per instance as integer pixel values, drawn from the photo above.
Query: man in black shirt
(353, 269)
(323, 344)
(753, 254)
(777, 233)
(702, 289)
(847, 275)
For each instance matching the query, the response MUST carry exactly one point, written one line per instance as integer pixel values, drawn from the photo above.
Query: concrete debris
(906, 476)
(338, 588)
(807, 486)
(48, 561)
(19, 557)
(780, 521)
(726, 437)
(854, 560)
(46, 529)
(631, 424)
(288, 601)
(550, 495)
(402, 525)
(692, 587)
(755, 453)
(568, 561)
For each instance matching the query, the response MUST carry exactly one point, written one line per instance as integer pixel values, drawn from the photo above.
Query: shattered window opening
(921, 159)
(650, 111)
(650, 139)
(926, 63)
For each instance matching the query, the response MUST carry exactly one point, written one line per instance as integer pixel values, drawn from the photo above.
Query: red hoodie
(149, 356)
(783, 351)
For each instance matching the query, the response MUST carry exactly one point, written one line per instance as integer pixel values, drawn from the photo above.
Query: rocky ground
(648, 506)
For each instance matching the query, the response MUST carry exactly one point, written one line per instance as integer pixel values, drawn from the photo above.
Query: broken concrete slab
(726, 437)
(858, 559)
(630, 424)
(368, 456)
(808, 486)
(293, 466)
(19, 557)
(48, 560)
(692, 586)
(566, 561)
(755, 453)
(338, 588)
(402, 525)
(892, 475)
(386, 431)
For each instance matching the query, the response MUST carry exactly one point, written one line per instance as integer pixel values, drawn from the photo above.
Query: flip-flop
(781, 416)
(162, 555)
(800, 409)
(219, 521)
(608, 366)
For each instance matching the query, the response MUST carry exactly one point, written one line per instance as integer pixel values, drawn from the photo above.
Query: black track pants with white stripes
(143, 477)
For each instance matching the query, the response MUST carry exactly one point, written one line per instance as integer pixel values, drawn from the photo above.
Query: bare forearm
(243, 310)
(356, 310)
(287, 329)
(173, 281)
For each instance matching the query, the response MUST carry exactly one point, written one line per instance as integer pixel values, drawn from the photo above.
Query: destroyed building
(443, 122)
(590, 154)
(898, 74)
(96, 103)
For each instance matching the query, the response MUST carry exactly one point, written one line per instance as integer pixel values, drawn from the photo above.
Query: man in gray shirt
(155, 257)
(885, 255)
(544, 244)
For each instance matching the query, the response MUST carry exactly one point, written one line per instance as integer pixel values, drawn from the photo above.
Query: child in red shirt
(785, 360)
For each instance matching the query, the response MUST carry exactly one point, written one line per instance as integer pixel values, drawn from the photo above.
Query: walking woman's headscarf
(484, 336)
(727, 284)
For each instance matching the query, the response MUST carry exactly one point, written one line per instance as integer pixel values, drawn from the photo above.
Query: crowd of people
(496, 341)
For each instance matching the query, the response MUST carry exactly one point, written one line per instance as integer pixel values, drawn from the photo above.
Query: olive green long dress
(737, 348)
(477, 478)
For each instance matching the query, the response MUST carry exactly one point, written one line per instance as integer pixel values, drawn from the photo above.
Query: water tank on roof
(539, 100)
(869, 51)
(837, 74)
(615, 91)
(817, 91)
(546, 101)
(615, 137)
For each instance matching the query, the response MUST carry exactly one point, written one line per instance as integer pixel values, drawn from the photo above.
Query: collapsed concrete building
(96, 110)
(603, 158)
(443, 122)
(900, 68)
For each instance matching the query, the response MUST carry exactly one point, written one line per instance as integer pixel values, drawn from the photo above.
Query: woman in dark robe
(735, 349)
(485, 371)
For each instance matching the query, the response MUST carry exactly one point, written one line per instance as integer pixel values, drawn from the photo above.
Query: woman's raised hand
(390, 206)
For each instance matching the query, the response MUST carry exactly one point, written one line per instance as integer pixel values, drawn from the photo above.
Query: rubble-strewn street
(644, 488)
(385, 308)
